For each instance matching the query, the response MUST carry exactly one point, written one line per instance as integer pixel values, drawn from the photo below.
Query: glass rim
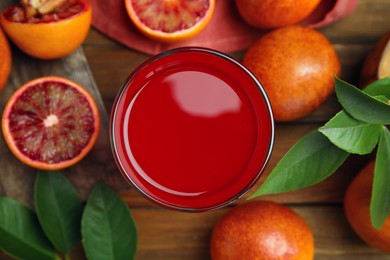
(114, 144)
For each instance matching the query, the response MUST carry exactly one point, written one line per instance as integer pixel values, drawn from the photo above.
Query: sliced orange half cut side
(170, 21)
(50, 123)
(48, 36)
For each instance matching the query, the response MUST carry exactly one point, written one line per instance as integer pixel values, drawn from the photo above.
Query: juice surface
(193, 130)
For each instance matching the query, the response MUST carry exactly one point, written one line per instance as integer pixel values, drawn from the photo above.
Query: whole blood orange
(357, 209)
(5, 60)
(267, 14)
(50, 123)
(48, 36)
(170, 20)
(261, 230)
(377, 63)
(296, 66)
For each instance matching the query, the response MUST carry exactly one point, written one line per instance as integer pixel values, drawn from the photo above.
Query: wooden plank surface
(16, 179)
(165, 234)
(173, 235)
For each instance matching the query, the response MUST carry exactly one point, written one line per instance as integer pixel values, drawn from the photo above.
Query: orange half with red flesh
(50, 123)
(49, 36)
(170, 21)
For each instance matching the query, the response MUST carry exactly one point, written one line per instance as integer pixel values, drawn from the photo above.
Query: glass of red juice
(192, 129)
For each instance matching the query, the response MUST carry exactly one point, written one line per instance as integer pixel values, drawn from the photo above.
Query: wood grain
(165, 234)
(17, 179)
(174, 235)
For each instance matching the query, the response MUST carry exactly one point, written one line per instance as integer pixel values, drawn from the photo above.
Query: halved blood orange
(5, 59)
(170, 20)
(51, 35)
(50, 123)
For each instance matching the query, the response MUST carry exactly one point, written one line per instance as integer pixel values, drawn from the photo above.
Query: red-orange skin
(173, 37)
(5, 60)
(296, 66)
(261, 230)
(357, 209)
(370, 67)
(269, 14)
(49, 40)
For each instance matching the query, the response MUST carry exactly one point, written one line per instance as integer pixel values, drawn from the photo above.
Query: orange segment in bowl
(50, 123)
(170, 20)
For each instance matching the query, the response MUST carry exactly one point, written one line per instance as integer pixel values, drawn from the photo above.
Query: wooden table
(165, 234)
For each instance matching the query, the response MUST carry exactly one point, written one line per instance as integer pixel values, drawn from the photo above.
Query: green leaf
(351, 135)
(380, 200)
(309, 161)
(20, 233)
(360, 105)
(382, 98)
(59, 209)
(108, 230)
(379, 87)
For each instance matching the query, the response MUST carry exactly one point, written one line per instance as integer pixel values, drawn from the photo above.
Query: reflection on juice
(191, 129)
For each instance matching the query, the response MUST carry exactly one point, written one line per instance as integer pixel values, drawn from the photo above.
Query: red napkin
(226, 32)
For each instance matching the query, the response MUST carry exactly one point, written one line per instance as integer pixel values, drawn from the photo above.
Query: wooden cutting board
(17, 179)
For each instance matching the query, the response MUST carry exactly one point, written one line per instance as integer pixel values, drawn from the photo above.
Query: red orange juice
(192, 129)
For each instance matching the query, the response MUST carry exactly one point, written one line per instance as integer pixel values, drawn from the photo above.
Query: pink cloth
(226, 32)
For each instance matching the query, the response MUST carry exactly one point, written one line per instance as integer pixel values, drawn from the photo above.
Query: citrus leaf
(309, 161)
(108, 230)
(20, 233)
(360, 105)
(380, 200)
(379, 87)
(350, 134)
(59, 209)
(382, 98)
